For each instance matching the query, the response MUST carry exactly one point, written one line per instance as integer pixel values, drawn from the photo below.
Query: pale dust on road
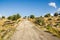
(26, 31)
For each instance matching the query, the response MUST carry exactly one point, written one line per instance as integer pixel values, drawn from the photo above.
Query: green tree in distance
(3, 16)
(14, 17)
(32, 16)
(47, 15)
(56, 14)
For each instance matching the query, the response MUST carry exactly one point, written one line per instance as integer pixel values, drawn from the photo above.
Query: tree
(59, 13)
(28, 16)
(40, 16)
(56, 14)
(3, 16)
(47, 15)
(10, 17)
(18, 16)
(25, 17)
(14, 17)
(32, 16)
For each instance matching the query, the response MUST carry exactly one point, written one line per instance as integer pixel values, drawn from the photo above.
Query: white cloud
(52, 14)
(58, 10)
(52, 4)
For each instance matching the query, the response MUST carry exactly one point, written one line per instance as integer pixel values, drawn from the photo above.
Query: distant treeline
(17, 16)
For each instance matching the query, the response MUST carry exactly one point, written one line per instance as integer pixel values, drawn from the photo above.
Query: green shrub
(56, 14)
(3, 16)
(14, 17)
(32, 16)
(47, 15)
(39, 21)
(48, 27)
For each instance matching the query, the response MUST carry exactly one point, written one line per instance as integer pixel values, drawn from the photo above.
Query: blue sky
(28, 7)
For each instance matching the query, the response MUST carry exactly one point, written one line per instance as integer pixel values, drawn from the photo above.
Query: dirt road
(27, 31)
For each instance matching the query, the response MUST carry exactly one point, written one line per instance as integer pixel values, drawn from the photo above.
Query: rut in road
(26, 31)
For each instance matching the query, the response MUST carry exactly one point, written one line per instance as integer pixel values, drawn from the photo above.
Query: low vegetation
(32, 16)
(14, 17)
(8, 26)
(49, 23)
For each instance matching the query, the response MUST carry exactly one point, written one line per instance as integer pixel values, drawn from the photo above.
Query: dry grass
(6, 30)
(55, 30)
